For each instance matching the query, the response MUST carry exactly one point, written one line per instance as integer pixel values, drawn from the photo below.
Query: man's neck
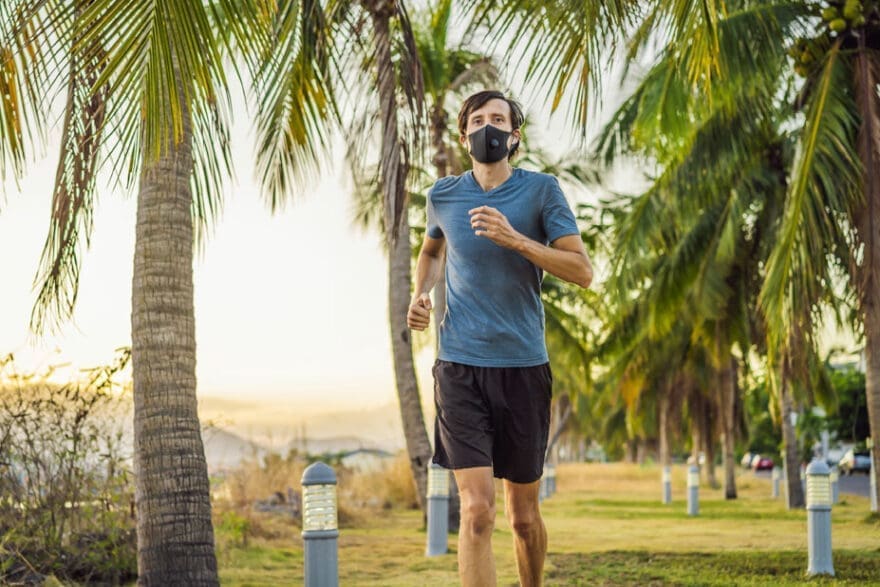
(492, 175)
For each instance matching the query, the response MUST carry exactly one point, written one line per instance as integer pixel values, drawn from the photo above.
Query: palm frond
(73, 201)
(296, 103)
(562, 45)
(824, 177)
(34, 37)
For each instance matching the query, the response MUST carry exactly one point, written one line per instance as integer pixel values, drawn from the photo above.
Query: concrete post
(438, 511)
(776, 478)
(819, 519)
(873, 482)
(693, 485)
(803, 479)
(667, 485)
(320, 526)
(552, 479)
(835, 485)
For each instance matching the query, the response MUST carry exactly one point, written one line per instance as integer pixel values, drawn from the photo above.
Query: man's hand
(419, 315)
(492, 224)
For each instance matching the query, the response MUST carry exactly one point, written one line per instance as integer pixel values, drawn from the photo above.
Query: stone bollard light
(869, 442)
(776, 478)
(819, 519)
(835, 485)
(693, 485)
(438, 510)
(667, 485)
(320, 526)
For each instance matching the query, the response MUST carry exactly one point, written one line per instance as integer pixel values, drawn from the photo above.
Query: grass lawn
(607, 527)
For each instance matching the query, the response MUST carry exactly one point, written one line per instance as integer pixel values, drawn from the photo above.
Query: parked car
(762, 463)
(853, 461)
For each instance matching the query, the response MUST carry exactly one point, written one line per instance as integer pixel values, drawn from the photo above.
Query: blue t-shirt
(494, 316)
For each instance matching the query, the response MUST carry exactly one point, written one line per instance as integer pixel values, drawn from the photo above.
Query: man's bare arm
(428, 269)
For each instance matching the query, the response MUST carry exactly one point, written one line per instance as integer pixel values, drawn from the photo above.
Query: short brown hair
(476, 101)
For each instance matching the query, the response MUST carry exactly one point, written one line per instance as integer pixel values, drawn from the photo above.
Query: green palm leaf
(825, 177)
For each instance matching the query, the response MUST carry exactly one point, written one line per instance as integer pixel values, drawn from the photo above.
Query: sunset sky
(288, 306)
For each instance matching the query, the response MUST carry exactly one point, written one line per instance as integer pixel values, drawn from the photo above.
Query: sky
(290, 305)
(286, 305)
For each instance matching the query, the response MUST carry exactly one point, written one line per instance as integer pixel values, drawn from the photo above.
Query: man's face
(495, 112)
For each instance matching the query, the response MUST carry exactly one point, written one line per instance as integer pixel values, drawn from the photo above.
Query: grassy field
(607, 527)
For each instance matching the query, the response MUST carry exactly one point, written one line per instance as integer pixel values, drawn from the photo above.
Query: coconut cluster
(839, 17)
(842, 16)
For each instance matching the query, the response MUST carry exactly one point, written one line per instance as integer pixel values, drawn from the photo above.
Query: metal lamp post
(438, 510)
(873, 482)
(819, 519)
(667, 484)
(835, 485)
(320, 526)
(693, 485)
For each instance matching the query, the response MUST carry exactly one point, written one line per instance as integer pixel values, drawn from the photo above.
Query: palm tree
(146, 95)
(689, 244)
(831, 188)
(392, 80)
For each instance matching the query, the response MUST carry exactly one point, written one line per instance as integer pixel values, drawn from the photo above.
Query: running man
(500, 228)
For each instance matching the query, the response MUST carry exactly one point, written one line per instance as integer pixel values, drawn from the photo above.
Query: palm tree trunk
(707, 435)
(867, 76)
(641, 451)
(174, 533)
(417, 443)
(727, 395)
(664, 455)
(794, 491)
(630, 448)
(394, 175)
(563, 415)
(439, 121)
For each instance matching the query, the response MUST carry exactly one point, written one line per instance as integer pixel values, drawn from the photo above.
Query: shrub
(65, 482)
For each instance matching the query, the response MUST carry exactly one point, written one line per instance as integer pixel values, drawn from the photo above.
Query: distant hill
(281, 425)
(226, 450)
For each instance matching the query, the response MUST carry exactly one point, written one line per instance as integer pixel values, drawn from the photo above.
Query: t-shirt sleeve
(557, 217)
(433, 228)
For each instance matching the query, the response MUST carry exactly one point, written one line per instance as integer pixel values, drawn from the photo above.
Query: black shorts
(495, 417)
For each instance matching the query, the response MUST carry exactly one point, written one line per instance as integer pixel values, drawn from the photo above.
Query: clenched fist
(419, 315)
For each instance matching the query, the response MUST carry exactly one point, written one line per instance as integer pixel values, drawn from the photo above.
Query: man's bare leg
(476, 565)
(529, 533)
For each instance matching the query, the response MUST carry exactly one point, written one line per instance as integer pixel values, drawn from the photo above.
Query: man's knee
(478, 516)
(525, 524)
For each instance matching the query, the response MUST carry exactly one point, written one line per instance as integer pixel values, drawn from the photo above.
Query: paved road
(857, 484)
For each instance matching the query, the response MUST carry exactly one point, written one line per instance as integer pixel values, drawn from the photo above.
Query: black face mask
(489, 144)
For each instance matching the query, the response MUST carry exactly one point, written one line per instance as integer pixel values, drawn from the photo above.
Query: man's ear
(516, 135)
